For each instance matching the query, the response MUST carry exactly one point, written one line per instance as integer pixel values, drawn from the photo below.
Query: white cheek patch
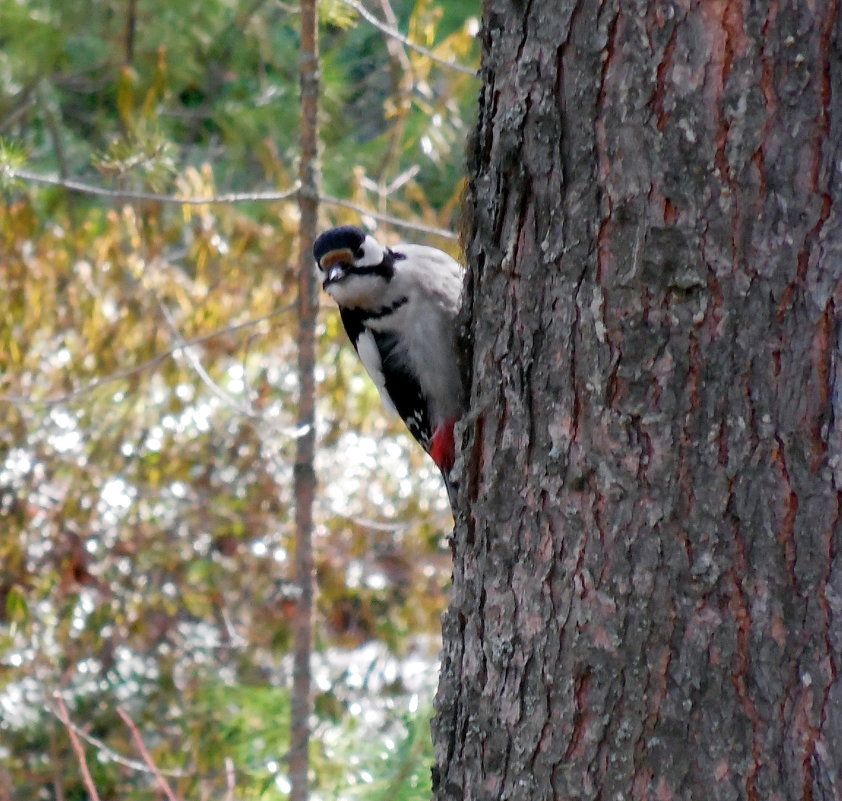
(370, 357)
(372, 253)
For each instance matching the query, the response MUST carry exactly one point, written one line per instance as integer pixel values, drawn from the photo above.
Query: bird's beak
(335, 266)
(334, 274)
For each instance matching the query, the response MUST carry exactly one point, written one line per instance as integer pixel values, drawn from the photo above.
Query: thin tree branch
(394, 47)
(54, 127)
(247, 410)
(120, 194)
(109, 753)
(20, 401)
(229, 197)
(78, 748)
(230, 783)
(402, 83)
(304, 474)
(131, 31)
(388, 218)
(374, 525)
(25, 99)
(57, 765)
(396, 34)
(199, 369)
(147, 758)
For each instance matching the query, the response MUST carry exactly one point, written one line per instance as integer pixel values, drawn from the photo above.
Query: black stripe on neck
(386, 268)
(383, 311)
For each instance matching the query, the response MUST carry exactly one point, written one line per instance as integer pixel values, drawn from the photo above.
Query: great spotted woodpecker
(399, 307)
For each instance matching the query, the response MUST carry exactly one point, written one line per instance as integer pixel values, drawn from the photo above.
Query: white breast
(427, 345)
(370, 357)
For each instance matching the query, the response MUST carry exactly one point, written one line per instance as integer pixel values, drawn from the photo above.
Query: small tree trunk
(305, 475)
(647, 593)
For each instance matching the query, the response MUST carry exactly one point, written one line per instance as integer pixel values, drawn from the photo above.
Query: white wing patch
(370, 357)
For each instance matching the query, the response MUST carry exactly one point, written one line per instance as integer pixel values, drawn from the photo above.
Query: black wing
(401, 385)
(403, 388)
(352, 319)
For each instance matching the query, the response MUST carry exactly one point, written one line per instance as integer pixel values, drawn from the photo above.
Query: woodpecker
(399, 307)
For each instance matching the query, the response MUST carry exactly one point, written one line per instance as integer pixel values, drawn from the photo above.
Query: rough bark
(304, 488)
(647, 592)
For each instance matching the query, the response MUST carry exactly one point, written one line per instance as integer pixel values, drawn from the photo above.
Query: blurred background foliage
(148, 388)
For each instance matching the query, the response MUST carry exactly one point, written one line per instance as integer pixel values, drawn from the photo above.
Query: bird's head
(355, 268)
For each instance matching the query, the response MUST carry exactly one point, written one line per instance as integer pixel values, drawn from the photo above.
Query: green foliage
(218, 80)
(145, 483)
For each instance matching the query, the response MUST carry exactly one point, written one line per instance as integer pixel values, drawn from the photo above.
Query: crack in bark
(658, 97)
(604, 200)
(786, 536)
(741, 672)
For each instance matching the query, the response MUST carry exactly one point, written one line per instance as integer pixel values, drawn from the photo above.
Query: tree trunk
(647, 591)
(304, 475)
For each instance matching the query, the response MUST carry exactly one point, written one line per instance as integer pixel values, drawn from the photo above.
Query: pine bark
(647, 589)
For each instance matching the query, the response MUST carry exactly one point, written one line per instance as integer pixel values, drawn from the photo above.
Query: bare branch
(78, 748)
(304, 474)
(245, 409)
(396, 34)
(20, 401)
(230, 197)
(147, 758)
(374, 525)
(394, 45)
(120, 194)
(388, 218)
(198, 367)
(106, 751)
(230, 784)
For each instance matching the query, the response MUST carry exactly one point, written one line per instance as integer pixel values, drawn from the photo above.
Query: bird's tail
(443, 451)
(443, 447)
